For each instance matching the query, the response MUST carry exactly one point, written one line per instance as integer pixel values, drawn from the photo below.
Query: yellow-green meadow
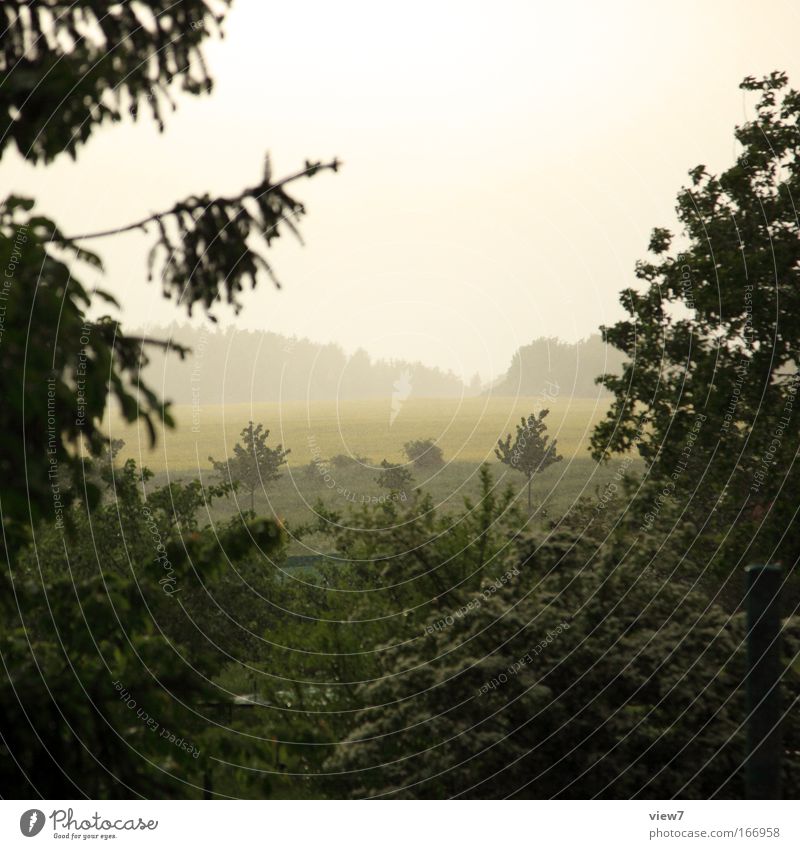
(466, 429)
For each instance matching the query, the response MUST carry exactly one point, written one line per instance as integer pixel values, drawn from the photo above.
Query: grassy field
(295, 496)
(466, 430)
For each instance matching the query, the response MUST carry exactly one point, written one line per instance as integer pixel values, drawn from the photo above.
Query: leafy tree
(394, 476)
(55, 387)
(72, 619)
(531, 451)
(707, 394)
(94, 65)
(68, 69)
(253, 463)
(424, 453)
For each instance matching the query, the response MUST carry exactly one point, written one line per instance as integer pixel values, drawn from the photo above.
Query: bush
(394, 477)
(111, 634)
(571, 681)
(424, 453)
(348, 461)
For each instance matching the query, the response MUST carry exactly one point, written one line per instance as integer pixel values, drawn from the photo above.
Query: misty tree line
(285, 369)
(288, 368)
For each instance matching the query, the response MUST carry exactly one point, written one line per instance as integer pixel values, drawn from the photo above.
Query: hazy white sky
(504, 162)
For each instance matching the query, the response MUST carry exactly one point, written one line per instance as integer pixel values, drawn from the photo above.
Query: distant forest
(233, 366)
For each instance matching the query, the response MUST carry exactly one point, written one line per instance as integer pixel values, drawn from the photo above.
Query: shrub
(395, 477)
(424, 453)
(571, 681)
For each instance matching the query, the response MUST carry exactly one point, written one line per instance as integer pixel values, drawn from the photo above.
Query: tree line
(291, 368)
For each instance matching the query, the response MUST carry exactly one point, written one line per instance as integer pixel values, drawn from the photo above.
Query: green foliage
(421, 557)
(707, 394)
(531, 451)
(112, 634)
(206, 243)
(64, 729)
(573, 680)
(391, 570)
(253, 463)
(119, 616)
(424, 453)
(59, 370)
(394, 476)
(97, 63)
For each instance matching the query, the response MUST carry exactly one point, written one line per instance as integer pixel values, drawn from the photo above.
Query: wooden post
(764, 744)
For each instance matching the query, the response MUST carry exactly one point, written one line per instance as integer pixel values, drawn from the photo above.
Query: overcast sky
(504, 162)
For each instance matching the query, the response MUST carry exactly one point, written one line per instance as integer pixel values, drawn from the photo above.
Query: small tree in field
(424, 453)
(394, 477)
(531, 451)
(253, 462)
